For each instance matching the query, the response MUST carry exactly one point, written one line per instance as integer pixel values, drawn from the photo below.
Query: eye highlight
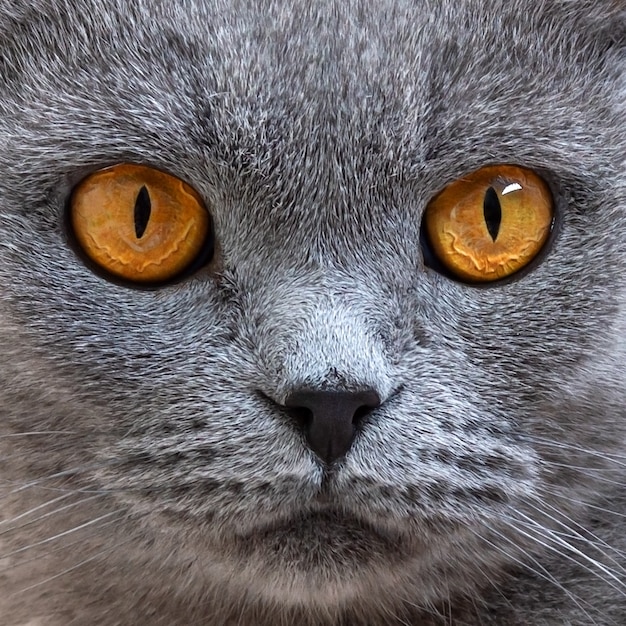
(490, 223)
(140, 224)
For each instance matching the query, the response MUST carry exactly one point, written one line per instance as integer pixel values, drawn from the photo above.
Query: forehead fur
(252, 82)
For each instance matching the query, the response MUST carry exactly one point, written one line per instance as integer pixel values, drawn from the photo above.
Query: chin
(324, 561)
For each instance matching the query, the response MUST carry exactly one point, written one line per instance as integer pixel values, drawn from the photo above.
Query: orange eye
(491, 223)
(139, 223)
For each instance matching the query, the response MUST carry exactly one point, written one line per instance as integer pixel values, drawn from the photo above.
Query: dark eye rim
(432, 262)
(202, 259)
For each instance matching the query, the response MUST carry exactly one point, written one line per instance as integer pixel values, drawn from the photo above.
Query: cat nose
(330, 417)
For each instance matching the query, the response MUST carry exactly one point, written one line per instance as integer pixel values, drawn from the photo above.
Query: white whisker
(618, 459)
(62, 548)
(71, 569)
(36, 508)
(38, 433)
(545, 535)
(45, 515)
(59, 535)
(569, 524)
(541, 572)
(74, 471)
(589, 505)
(599, 477)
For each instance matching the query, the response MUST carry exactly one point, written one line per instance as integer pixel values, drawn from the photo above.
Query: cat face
(316, 137)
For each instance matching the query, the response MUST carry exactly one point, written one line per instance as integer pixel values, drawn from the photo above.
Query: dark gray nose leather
(330, 418)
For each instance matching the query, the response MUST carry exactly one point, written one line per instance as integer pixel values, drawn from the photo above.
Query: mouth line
(326, 520)
(310, 540)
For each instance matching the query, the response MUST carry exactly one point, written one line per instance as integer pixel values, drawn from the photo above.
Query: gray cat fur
(148, 474)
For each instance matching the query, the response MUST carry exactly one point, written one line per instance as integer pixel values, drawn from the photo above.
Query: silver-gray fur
(147, 472)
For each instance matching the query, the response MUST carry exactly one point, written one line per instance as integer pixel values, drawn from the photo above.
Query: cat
(320, 419)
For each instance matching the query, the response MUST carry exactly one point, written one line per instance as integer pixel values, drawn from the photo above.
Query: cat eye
(140, 224)
(490, 223)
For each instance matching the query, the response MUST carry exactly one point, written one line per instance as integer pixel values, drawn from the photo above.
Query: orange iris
(490, 223)
(139, 223)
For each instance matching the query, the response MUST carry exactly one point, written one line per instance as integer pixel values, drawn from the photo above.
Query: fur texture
(148, 474)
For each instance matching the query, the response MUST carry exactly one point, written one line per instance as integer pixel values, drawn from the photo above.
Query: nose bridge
(323, 361)
(328, 342)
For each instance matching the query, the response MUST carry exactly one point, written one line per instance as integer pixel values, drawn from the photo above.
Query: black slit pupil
(143, 208)
(492, 212)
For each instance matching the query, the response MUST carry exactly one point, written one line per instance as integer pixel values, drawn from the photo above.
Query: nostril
(370, 400)
(361, 412)
(301, 415)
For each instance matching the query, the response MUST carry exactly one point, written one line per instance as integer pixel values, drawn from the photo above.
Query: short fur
(148, 474)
